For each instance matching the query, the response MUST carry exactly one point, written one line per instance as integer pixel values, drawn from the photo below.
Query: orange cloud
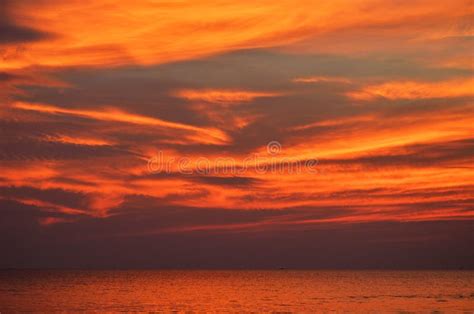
(77, 140)
(110, 33)
(50, 206)
(222, 96)
(210, 135)
(367, 134)
(321, 79)
(416, 90)
(336, 122)
(53, 220)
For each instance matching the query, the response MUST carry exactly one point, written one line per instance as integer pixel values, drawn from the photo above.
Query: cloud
(234, 181)
(221, 27)
(223, 96)
(13, 34)
(77, 140)
(5, 76)
(321, 79)
(57, 196)
(377, 92)
(451, 153)
(53, 220)
(309, 120)
(416, 90)
(101, 242)
(29, 150)
(210, 135)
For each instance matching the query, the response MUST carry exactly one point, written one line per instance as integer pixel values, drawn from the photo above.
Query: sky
(236, 134)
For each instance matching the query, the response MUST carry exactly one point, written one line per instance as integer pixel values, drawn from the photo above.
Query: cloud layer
(126, 124)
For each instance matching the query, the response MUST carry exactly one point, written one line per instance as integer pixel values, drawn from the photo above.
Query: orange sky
(380, 93)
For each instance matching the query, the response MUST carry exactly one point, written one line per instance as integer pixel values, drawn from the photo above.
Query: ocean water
(237, 291)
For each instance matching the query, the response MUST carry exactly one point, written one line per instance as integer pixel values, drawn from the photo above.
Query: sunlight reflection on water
(236, 291)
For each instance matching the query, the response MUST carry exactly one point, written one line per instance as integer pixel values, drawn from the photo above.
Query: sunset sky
(373, 99)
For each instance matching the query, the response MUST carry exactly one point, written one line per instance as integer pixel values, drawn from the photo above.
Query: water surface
(235, 291)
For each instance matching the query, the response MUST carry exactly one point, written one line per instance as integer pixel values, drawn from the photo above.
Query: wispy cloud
(111, 114)
(416, 90)
(321, 79)
(224, 96)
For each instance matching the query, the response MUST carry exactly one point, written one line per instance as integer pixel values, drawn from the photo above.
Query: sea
(224, 291)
